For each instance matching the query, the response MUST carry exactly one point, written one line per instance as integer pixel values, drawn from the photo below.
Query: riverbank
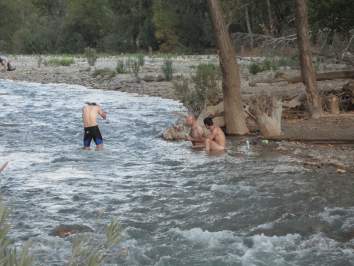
(151, 83)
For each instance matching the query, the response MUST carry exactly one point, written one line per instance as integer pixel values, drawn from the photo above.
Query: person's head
(190, 119)
(208, 122)
(92, 104)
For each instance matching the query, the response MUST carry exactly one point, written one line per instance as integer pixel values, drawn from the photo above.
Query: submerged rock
(65, 230)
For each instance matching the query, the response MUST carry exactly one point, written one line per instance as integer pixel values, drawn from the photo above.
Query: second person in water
(214, 142)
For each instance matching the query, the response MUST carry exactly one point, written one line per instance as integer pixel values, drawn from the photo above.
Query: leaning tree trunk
(234, 114)
(307, 69)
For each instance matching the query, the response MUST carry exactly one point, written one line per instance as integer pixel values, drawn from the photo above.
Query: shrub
(255, 68)
(167, 69)
(91, 56)
(104, 72)
(62, 61)
(134, 66)
(267, 64)
(201, 90)
(141, 59)
(86, 252)
(121, 67)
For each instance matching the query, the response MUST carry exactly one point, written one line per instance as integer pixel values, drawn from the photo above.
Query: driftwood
(268, 113)
(280, 77)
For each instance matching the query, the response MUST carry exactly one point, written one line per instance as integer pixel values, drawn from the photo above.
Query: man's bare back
(216, 141)
(89, 116)
(90, 113)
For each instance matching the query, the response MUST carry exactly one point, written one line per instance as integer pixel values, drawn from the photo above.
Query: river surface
(250, 206)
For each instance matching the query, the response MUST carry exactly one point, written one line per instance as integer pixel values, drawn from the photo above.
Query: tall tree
(234, 114)
(307, 69)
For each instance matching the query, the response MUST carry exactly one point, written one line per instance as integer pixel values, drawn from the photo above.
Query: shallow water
(177, 206)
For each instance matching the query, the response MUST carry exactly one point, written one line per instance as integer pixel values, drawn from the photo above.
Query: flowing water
(177, 206)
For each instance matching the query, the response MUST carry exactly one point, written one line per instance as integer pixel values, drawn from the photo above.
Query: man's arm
(102, 113)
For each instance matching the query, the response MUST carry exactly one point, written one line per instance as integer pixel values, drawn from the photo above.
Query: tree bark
(269, 121)
(234, 114)
(307, 69)
(270, 18)
(249, 28)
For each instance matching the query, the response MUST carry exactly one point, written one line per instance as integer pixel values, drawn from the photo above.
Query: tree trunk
(269, 121)
(249, 28)
(307, 69)
(270, 18)
(234, 114)
(333, 104)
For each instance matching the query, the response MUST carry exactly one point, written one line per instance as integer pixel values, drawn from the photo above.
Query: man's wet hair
(88, 103)
(208, 121)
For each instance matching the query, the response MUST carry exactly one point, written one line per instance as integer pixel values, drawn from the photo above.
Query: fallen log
(280, 77)
(346, 74)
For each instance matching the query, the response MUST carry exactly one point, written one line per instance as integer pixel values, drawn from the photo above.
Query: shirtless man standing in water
(216, 140)
(196, 136)
(89, 115)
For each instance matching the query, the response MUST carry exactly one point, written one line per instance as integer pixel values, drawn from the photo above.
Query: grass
(61, 61)
(167, 69)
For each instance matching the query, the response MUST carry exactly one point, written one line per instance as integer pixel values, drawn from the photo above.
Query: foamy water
(177, 206)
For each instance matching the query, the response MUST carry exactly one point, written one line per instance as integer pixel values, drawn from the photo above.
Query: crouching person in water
(216, 140)
(89, 116)
(196, 135)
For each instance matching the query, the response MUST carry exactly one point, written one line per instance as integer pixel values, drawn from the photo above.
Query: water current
(249, 206)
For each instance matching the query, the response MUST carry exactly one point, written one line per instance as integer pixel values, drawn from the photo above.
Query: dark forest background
(183, 26)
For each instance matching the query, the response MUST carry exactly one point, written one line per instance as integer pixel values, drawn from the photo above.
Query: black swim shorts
(92, 133)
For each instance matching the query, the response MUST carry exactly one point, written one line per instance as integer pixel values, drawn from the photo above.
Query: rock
(179, 131)
(65, 230)
(341, 171)
(153, 78)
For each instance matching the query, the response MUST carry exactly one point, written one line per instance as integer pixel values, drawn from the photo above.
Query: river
(249, 206)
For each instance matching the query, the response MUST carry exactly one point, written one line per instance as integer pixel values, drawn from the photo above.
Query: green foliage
(10, 256)
(86, 252)
(61, 61)
(201, 90)
(167, 69)
(141, 59)
(57, 26)
(91, 56)
(273, 64)
(121, 67)
(134, 65)
(104, 72)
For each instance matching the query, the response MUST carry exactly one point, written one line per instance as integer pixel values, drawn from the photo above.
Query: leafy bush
(255, 68)
(203, 88)
(134, 66)
(91, 56)
(141, 59)
(121, 67)
(63, 61)
(167, 69)
(273, 64)
(104, 72)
